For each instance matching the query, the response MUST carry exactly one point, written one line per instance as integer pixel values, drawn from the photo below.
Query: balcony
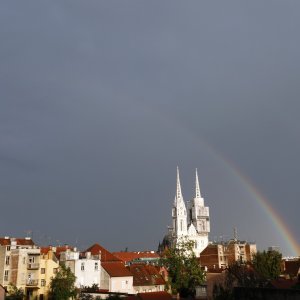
(33, 266)
(32, 282)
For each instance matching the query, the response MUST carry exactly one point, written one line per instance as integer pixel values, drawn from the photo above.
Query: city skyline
(100, 102)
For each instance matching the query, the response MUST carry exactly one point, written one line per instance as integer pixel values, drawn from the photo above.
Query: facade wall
(221, 255)
(209, 258)
(87, 272)
(47, 270)
(104, 280)
(148, 288)
(2, 292)
(2, 262)
(121, 284)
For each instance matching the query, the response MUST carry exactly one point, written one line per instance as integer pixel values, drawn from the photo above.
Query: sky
(100, 101)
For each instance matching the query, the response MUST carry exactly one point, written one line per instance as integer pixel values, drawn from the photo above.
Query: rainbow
(263, 202)
(273, 216)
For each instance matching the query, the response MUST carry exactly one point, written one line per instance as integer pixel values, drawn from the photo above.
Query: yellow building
(48, 268)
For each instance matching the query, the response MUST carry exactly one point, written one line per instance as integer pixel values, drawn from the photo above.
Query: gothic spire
(198, 194)
(178, 187)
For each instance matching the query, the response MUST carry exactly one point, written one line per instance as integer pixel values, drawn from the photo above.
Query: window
(82, 266)
(43, 282)
(96, 266)
(6, 275)
(24, 260)
(43, 271)
(123, 284)
(7, 260)
(7, 248)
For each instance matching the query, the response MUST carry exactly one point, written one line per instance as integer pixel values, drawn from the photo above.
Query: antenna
(28, 233)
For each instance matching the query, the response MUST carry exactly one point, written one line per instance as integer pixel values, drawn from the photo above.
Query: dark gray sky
(100, 101)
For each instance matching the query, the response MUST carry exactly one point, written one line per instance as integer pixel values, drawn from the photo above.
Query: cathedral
(190, 219)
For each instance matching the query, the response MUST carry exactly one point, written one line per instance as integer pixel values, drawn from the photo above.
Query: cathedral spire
(178, 187)
(198, 194)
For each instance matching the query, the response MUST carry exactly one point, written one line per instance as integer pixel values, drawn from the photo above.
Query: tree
(62, 286)
(84, 292)
(183, 267)
(264, 267)
(14, 293)
(267, 264)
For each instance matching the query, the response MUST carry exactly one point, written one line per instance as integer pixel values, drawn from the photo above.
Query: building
(49, 265)
(2, 292)
(8, 247)
(190, 220)
(291, 268)
(25, 270)
(146, 278)
(85, 267)
(220, 255)
(146, 257)
(115, 277)
(105, 255)
(26, 266)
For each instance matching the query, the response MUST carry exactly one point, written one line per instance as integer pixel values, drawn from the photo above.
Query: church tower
(198, 217)
(179, 214)
(192, 221)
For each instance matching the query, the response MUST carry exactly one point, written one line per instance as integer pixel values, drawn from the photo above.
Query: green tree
(267, 264)
(62, 286)
(14, 293)
(264, 267)
(183, 267)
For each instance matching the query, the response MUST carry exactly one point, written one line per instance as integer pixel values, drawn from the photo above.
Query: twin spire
(198, 194)
(178, 187)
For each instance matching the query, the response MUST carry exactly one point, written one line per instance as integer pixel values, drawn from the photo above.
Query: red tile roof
(115, 269)
(106, 256)
(145, 275)
(130, 256)
(20, 241)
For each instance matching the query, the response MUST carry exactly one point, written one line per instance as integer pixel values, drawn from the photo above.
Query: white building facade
(86, 269)
(190, 219)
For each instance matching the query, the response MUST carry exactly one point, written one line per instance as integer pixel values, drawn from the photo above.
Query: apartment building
(8, 246)
(220, 255)
(85, 266)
